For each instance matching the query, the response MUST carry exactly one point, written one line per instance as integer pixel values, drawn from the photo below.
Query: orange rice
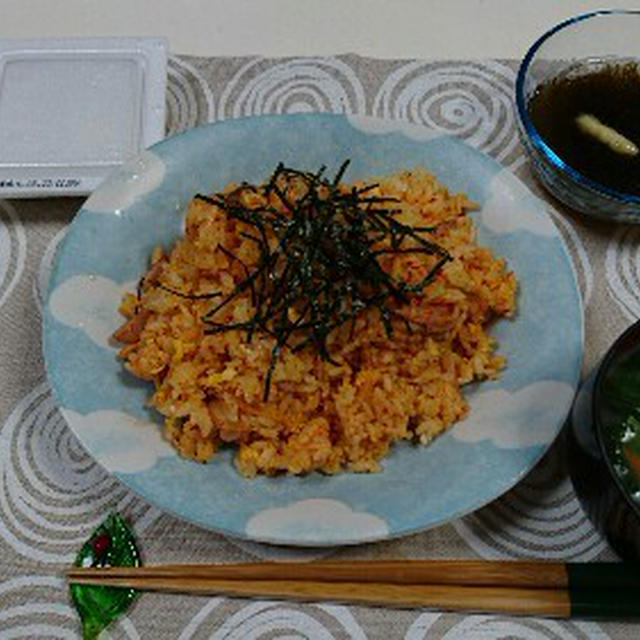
(319, 416)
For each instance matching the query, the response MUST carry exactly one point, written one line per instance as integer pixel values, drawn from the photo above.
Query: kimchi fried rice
(324, 414)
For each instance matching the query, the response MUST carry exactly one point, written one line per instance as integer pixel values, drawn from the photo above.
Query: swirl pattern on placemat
(190, 101)
(36, 606)
(486, 627)
(470, 100)
(622, 270)
(13, 249)
(292, 85)
(265, 619)
(540, 508)
(52, 494)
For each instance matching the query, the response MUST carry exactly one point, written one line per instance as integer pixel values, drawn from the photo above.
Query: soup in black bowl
(604, 445)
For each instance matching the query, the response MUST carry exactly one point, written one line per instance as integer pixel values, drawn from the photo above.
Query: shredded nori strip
(320, 258)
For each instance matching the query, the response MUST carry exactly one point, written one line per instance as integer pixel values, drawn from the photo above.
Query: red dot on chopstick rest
(100, 545)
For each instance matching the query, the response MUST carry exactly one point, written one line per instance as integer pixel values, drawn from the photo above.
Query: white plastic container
(73, 109)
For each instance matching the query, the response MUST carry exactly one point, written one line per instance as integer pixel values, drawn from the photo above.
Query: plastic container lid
(73, 109)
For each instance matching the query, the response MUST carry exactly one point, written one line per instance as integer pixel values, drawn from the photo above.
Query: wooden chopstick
(469, 572)
(551, 602)
(516, 587)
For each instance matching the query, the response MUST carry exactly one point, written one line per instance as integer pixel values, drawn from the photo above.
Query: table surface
(47, 509)
(377, 28)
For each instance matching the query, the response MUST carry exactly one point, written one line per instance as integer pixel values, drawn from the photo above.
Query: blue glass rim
(530, 129)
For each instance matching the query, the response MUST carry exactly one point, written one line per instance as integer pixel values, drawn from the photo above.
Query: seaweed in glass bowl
(577, 99)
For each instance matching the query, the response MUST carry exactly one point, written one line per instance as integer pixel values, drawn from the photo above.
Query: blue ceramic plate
(512, 421)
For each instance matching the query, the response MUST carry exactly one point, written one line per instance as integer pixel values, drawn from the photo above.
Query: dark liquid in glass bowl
(611, 94)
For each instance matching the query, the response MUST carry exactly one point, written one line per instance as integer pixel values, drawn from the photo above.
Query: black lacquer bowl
(609, 395)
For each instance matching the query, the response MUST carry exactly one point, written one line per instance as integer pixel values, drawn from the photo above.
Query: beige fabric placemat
(52, 494)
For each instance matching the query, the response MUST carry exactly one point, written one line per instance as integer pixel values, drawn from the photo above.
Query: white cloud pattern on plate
(133, 180)
(122, 443)
(503, 212)
(512, 431)
(313, 519)
(90, 303)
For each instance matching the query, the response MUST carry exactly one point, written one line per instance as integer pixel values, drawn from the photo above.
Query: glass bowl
(586, 41)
